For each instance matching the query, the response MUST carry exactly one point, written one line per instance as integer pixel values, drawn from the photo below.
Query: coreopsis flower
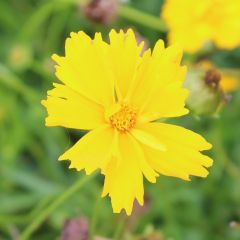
(194, 23)
(118, 94)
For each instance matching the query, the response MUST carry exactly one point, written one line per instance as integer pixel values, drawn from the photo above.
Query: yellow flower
(194, 23)
(117, 93)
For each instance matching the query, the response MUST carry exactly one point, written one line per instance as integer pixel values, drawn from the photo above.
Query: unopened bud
(205, 95)
(101, 11)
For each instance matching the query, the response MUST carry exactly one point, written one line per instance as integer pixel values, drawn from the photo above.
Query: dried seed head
(212, 78)
(101, 11)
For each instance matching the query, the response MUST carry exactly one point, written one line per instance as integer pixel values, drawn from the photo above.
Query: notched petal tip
(116, 211)
(47, 123)
(44, 102)
(98, 36)
(128, 212)
(140, 201)
(104, 193)
(127, 209)
(55, 57)
(62, 157)
(89, 171)
(130, 33)
(71, 166)
(210, 163)
(113, 31)
(208, 146)
(205, 173)
(159, 45)
(74, 34)
(158, 48)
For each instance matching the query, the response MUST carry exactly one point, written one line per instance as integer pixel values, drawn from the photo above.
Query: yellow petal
(85, 68)
(124, 175)
(125, 58)
(158, 92)
(70, 109)
(183, 157)
(148, 139)
(92, 151)
(169, 102)
(196, 23)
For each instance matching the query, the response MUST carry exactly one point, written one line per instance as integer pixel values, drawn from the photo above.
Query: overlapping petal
(125, 59)
(70, 109)
(124, 175)
(85, 68)
(93, 151)
(161, 77)
(182, 157)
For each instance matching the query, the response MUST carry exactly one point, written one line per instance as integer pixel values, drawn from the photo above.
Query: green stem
(95, 217)
(12, 81)
(142, 18)
(34, 22)
(119, 228)
(222, 156)
(22, 219)
(54, 205)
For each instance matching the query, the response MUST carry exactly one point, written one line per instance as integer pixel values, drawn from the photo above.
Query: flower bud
(101, 11)
(205, 95)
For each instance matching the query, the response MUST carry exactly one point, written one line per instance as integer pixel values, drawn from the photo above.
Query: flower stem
(11, 80)
(142, 18)
(119, 228)
(95, 216)
(55, 204)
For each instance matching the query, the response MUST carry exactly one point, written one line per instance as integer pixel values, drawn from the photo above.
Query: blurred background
(30, 175)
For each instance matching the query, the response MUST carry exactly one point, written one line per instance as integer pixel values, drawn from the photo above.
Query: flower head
(194, 23)
(117, 93)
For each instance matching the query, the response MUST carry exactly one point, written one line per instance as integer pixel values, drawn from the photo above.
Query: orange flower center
(123, 120)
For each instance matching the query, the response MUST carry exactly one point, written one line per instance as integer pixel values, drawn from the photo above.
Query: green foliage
(30, 176)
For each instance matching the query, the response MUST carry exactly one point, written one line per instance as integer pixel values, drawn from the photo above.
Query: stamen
(123, 120)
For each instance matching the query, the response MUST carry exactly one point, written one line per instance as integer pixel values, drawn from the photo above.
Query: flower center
(123, 120)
